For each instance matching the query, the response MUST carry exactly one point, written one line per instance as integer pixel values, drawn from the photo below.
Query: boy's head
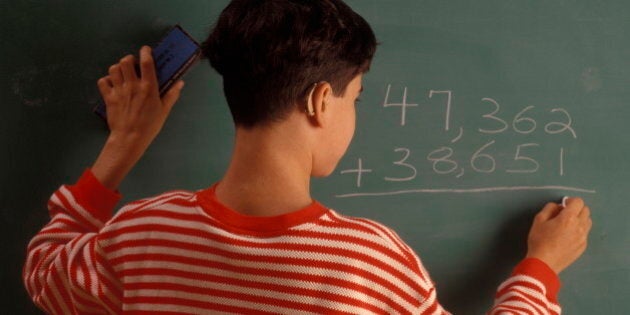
(271, 52)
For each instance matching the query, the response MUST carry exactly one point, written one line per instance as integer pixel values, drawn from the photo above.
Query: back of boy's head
(271, 52)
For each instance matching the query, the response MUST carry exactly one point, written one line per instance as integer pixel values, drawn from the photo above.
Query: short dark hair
(271, 52)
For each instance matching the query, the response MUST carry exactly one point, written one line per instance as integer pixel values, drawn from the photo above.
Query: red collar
(256, 225)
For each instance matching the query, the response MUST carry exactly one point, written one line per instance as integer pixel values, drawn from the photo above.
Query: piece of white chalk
(564, 201)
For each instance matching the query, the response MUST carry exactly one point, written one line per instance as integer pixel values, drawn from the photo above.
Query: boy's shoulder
(381, 246)
(364, 230)
(360, 225)
(174, 201)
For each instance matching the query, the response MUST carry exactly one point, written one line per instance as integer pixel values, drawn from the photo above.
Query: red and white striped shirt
(186, 253)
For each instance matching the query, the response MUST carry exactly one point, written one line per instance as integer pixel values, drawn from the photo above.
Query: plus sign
(359, 170)
(403, 105)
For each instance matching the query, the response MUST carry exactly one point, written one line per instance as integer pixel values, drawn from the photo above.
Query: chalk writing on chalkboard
(521, 158)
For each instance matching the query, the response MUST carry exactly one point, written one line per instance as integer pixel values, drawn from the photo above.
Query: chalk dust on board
(591, 79)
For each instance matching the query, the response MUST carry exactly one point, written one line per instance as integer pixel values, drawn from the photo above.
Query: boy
(256, 243)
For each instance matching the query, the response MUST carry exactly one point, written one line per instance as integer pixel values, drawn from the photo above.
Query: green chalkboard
(474, 114)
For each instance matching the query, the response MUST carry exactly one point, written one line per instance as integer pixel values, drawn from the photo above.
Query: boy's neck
(269, 173)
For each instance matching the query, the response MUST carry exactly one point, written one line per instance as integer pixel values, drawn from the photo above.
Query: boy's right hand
(559, 235)
(134, 106)
(135, 115)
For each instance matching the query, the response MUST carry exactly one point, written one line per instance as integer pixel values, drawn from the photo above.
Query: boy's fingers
(147, 68)
(172, 95)
(585, 218)
(127, 69)
(549, 211)
(574, 207)
(115, 75)
(585, 213)
(104, 85)
(589, 224)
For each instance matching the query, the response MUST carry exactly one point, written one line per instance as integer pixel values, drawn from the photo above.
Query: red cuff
(539, 270)
(95, 197)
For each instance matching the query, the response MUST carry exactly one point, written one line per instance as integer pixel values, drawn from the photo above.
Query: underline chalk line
(465, 191)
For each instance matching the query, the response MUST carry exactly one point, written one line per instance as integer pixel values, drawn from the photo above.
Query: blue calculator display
(173, 56)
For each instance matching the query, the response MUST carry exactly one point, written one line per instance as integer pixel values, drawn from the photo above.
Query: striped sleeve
(532, 289)
(423, 290)
(65, 270)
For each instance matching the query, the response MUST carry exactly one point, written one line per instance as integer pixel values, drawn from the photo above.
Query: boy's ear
(317, 104)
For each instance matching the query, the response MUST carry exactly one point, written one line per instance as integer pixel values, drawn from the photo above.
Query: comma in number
(459, 136)
(461, 173)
